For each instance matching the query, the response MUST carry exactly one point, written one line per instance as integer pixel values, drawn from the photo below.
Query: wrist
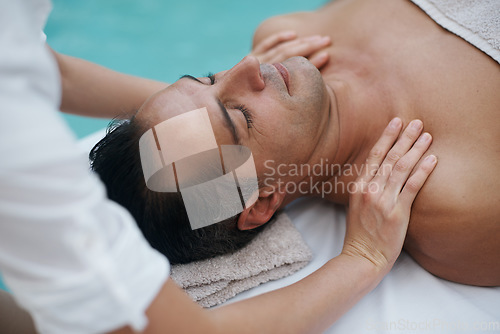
(362, 250)
(366, 264)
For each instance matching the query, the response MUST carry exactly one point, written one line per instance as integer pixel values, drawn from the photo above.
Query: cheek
(311, 102)
(269, 117)
(286, 130)
(278, 126)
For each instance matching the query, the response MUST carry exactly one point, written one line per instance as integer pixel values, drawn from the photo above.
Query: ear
(261, 211)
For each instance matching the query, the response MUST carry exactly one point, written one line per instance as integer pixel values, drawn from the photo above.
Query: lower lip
(284, 74)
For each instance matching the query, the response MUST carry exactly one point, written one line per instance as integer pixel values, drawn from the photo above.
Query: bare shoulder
(455, 225)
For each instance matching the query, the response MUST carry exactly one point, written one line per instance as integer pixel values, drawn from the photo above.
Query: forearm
(95, 91)
(310, 305)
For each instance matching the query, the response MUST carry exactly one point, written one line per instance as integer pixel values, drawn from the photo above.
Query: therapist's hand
(285, 44)
(380, 204)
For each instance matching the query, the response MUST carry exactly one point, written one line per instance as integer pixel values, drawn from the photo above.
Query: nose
(244, 76)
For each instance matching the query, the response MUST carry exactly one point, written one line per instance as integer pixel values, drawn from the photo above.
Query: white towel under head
(276, 252)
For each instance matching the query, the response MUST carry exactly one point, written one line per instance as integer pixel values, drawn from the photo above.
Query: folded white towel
(476, 21)
(276, 252)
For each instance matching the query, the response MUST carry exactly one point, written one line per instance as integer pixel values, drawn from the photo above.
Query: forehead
(167, 103)
(179, 98)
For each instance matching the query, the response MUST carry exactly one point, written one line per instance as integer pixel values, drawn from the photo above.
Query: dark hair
(161, 217)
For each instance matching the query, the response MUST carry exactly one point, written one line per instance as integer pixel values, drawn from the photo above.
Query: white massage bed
(408, 300)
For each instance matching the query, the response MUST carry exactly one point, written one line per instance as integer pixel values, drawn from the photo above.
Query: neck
(355, 123)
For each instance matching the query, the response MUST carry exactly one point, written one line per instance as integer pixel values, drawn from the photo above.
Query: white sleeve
(75, 260)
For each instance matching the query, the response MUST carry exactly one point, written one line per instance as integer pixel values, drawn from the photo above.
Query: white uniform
(74, 259)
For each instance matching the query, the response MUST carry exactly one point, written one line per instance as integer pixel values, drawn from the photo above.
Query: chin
(301, 64)
(309, 82)
(305, 70)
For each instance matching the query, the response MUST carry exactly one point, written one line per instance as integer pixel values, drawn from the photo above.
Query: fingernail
(424, 138)
(431, 158)
(416, 124)
(395, 123)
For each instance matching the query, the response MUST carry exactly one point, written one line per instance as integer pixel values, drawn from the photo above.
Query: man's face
(278, 121)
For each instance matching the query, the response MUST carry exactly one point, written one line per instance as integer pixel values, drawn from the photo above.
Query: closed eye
(247, 114)
(244, 110)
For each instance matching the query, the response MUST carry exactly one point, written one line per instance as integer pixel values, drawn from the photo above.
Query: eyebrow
(229, 123)
(190, 77)
(227, 119)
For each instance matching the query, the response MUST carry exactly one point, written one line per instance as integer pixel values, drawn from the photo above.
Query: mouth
(284, 74)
